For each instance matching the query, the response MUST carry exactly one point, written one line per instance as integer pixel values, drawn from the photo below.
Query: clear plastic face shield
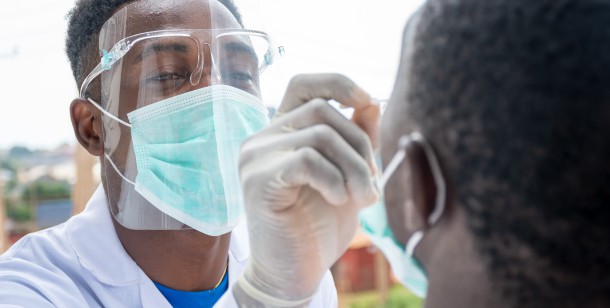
(181, 87)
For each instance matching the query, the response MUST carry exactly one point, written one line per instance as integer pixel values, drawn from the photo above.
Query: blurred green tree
(46, 190)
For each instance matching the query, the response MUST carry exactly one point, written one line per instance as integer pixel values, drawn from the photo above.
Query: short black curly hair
(85, 22)
(515, 97)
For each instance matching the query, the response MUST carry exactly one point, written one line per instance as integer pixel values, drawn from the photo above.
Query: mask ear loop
(112, 116)
(106, 113)
(107, 60)
(117, 170)
(395, 161)
(437, 174)
(439, 181)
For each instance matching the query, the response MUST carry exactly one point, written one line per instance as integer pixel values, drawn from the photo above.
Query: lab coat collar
(97, 246)
(99, 250)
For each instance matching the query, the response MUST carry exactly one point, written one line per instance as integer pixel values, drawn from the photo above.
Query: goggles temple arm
(83, 93)
(94, 73)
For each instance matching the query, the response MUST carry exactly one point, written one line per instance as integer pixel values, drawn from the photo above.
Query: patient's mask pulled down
(374, 221)
(181, 85)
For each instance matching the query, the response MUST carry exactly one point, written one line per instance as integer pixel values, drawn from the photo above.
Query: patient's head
(514, 97)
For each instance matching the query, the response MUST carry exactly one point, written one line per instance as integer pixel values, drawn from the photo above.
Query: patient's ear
(87, 125)
(419, 191)
(404, 203)
(423, 188)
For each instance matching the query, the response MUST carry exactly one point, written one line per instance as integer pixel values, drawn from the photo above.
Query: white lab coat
(82, 263)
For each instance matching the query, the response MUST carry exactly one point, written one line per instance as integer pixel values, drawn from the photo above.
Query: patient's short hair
(515, 97)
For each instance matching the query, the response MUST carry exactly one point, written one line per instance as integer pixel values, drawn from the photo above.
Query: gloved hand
(304, 179)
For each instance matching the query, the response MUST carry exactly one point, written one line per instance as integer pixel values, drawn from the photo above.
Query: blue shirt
(208, 298)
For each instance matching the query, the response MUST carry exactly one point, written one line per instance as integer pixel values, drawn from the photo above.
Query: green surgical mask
(407, 269)
(187, 154)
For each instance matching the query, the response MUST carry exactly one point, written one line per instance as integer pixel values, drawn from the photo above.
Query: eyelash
(163, 76)
(240, 76)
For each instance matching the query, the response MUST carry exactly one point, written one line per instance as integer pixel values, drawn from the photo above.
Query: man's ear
(423, 188)
(87, 124)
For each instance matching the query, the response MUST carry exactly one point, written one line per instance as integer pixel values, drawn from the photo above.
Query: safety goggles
(168, 60)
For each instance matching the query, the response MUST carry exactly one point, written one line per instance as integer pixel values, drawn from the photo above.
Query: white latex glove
(304, 178)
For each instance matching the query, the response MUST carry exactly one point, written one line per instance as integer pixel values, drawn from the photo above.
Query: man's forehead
(151, 15)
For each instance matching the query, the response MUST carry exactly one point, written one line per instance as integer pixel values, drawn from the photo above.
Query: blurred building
(362, 268)
(57, 164)
(38, 185)
(53, 212)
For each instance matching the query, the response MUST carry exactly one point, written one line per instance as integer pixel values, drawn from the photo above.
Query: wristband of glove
(252, 297)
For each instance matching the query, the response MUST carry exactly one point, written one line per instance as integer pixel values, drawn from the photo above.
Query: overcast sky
(360, 39)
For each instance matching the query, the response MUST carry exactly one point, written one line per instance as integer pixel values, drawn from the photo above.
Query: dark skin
(457, 275)
(180, 259)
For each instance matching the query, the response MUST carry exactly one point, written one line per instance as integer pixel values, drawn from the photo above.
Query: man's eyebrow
(240, 47)
(161, 47)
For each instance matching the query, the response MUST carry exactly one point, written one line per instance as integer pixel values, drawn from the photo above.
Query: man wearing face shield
(495, 149)
(168, 92)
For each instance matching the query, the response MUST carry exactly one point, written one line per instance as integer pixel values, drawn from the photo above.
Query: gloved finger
(332, 147)
(368, 120)
(308, 167)
(303, 88)
(318, 111)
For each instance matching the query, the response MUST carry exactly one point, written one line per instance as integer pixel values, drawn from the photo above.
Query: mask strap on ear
(439, 181)
(108, 114)
(395, 161)
(413, 242)
(117, 170)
